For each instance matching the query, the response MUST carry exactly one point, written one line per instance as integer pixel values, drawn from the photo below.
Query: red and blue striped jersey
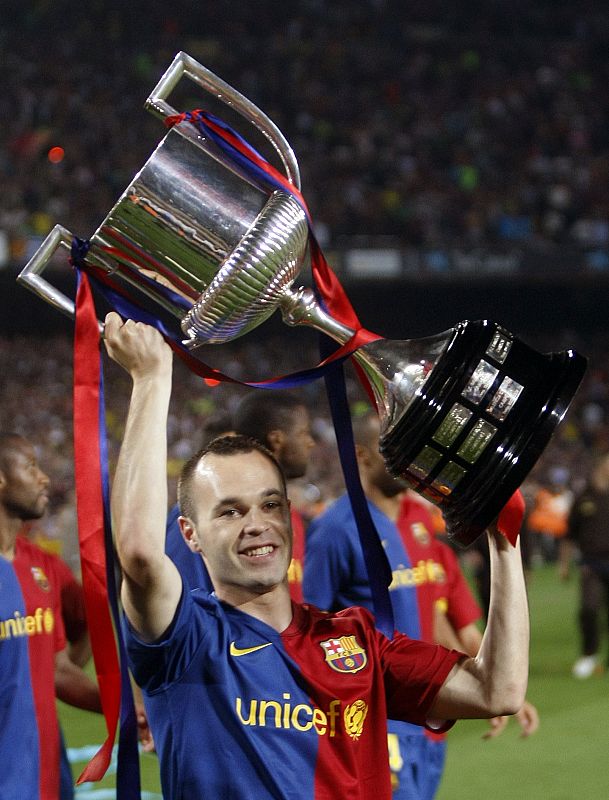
(41, 591)
(240, 710)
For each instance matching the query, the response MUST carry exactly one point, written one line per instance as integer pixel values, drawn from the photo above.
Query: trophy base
(475, 429)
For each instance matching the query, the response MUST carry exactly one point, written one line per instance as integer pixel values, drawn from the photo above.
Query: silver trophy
(464, 414)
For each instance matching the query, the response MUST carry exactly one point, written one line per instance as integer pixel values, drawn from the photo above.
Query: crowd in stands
(36, 401)
(434, 125)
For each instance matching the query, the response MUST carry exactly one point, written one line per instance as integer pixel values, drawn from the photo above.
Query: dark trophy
(464, 414)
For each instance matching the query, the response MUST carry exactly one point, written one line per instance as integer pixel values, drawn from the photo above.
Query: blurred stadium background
(455, 158)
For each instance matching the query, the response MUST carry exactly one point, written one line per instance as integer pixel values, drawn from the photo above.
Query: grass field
(565, 760)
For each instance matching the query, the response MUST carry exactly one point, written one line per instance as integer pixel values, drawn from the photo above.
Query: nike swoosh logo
(243, 651)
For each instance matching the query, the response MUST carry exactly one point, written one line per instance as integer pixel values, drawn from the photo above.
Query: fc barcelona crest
(344, 654)
(420, 532)
(41, 579)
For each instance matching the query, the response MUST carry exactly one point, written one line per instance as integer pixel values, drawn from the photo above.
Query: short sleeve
(158, 664)
(413, 673)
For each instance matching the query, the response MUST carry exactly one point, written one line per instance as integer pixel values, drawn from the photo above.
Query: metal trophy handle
(165, 240)
(31, 275)
(185, 65)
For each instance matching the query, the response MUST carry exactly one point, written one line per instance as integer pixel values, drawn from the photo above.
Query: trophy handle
(184, 64)
(31, 275)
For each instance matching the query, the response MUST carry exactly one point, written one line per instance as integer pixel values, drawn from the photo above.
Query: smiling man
(240, 527)
(250, 694)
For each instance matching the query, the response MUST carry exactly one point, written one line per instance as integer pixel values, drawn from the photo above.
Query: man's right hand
(138, 348)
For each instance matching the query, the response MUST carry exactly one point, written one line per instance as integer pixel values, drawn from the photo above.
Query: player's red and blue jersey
(336, 577)
(40, 588)
(437, 576)
(19, 776)
(239, 710)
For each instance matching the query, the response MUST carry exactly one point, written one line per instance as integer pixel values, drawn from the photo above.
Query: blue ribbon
(375, 558)
(250, 167)
(128, 786)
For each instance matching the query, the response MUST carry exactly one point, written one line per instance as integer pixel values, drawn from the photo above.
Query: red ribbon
(89, 502)
(511, 516)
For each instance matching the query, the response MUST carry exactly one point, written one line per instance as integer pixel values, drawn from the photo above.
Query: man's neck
(273, 607)
(390, 506)
(9, 528)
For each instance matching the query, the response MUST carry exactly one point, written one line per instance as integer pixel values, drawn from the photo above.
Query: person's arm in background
(567, 546)
(566, 554)
(73, 614)
(144, 734)
(79, 651)
(73, 686)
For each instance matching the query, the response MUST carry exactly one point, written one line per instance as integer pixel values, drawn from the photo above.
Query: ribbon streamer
(511, 516)
(96, 551)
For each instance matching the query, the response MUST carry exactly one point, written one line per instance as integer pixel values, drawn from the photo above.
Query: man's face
(23, 485)
(295, 450)
(376, 468)
(242, 525)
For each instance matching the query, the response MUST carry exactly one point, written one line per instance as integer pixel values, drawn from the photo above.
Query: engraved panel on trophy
(425, 461)
(449, 478)
(476, 441)
(480, 382)
(504, 398)
(499, 347)
(452, 425)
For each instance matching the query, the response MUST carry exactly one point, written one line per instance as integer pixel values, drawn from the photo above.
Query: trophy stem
(300, 307)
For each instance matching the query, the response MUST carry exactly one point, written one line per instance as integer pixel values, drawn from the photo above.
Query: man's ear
(276, 440)
(362, 453)
(189, 534)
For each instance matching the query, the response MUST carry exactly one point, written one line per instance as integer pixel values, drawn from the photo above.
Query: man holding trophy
(280, 699)
(247, 693)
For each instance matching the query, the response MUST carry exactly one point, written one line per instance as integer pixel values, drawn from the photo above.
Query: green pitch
(565, 760)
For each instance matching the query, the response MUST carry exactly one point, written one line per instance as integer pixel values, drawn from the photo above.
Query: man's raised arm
(151, 585)
(494, 682)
